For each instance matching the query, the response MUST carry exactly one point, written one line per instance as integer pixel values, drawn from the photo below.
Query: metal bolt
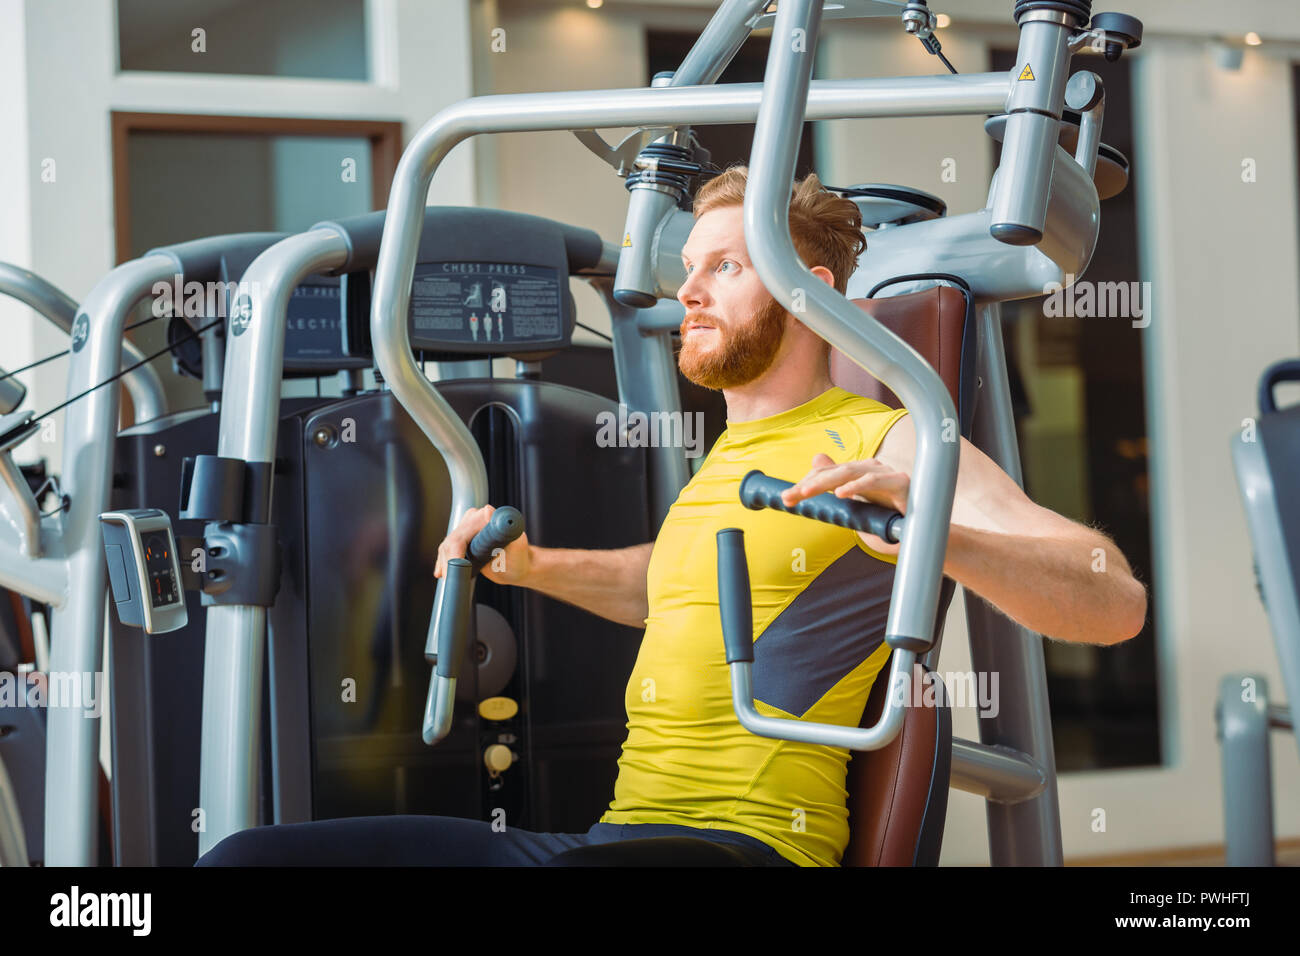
(159, 450)
(323, 436)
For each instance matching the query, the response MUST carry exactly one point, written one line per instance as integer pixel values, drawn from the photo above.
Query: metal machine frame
(38, 555)
(1040, 226)
(58, 559)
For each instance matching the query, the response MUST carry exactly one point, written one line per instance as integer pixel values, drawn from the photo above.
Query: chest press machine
(937, 351)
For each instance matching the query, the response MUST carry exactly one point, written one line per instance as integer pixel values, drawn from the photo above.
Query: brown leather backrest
(932, 322)
(889, 788)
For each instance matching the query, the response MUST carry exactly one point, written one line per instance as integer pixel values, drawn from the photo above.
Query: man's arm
(611, 584)
(1055, 576)
(608, 583)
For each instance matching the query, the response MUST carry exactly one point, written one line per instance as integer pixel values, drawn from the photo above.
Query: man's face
(733, 327)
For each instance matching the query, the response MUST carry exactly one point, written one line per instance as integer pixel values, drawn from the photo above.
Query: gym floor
(1287, 852)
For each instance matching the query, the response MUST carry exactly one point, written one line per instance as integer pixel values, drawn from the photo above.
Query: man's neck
(773, 392)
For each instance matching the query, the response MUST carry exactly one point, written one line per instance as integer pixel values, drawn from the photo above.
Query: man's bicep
(986, 497)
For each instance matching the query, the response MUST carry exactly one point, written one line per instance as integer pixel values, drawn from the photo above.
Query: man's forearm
(1061, 588)
(611, 584)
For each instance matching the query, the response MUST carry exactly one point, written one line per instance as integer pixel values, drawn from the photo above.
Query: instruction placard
(484, 304)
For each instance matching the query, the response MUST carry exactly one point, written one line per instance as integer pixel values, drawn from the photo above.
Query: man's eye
(725, 262)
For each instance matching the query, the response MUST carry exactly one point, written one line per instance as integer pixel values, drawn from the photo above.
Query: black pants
(451, 841)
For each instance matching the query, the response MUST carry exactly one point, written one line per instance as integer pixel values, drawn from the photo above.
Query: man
(820, 592)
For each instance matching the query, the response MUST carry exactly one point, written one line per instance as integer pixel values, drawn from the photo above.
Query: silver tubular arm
(13, 845)
(650, 203)
(44, 297)
(1086, 94)
(236, 634)
(910, 626)
(143, 384)
(834, 318)
(391, 339)
(719, 42)
(829, 735)
(27, 521)
(1033, 127)
(998, 774)
(77, 641)
(734, 20)
(938, 95)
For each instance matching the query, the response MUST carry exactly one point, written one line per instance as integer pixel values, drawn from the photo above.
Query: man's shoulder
(865, 420)
(851, 403)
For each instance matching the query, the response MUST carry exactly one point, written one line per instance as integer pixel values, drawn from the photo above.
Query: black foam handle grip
(1287, 370)
(454, 623)
(505, 525)
(759, 491)
(734, 599)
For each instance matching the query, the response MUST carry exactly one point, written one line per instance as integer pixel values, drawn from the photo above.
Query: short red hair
(826, 229)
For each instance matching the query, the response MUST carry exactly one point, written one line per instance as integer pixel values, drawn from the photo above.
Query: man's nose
(691, 293)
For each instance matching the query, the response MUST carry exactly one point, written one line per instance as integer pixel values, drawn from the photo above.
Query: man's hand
(517, 555)
(868, 480)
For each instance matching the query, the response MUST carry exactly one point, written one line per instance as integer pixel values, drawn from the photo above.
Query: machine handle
(505, 525)
(450, 628)
(759, 491)
(1287, 370)
(734, 596)
(735, 608)
(454, 623)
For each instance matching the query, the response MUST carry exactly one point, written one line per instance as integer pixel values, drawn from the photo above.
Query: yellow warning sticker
(627, 241)
(1026, 73)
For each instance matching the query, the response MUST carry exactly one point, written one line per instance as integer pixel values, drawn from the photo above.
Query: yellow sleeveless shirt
(820, 600)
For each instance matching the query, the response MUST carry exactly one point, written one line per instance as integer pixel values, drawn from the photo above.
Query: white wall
(550, 173)
(19, 336)
(58, 70)
(1221, 255)
(61, 83)
(912, 151)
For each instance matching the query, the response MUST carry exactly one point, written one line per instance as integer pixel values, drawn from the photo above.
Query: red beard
(735, 355)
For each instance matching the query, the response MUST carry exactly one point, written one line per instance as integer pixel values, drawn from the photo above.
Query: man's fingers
(881, 487)
(456, 544)
(827, 479)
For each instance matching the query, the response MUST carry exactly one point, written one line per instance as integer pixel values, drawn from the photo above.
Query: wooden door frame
(385, 149)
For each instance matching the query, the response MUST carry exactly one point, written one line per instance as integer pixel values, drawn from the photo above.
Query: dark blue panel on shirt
(831, 627)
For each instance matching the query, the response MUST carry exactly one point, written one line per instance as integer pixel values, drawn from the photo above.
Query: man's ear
(824, 274)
